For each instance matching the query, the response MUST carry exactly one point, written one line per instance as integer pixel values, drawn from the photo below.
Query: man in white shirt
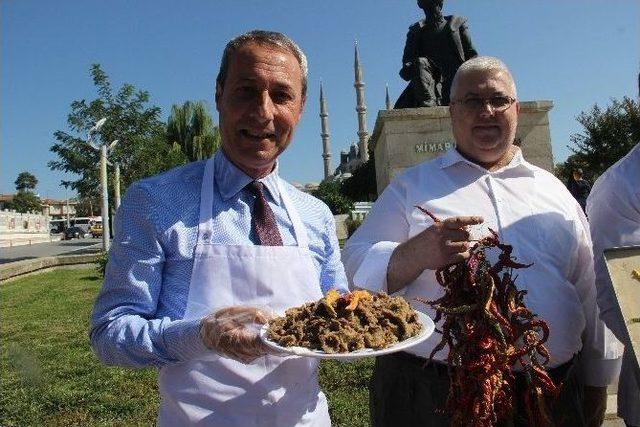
(614, 216)
(398, 248)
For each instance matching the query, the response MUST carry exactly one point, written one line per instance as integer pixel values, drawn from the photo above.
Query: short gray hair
(263, 37)
(482, 64)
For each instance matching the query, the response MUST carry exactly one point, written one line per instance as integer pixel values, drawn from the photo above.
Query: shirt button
(206, 236)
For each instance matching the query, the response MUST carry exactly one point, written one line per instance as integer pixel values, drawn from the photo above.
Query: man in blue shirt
(201, 251)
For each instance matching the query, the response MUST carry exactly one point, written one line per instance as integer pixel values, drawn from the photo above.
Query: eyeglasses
(498, 104)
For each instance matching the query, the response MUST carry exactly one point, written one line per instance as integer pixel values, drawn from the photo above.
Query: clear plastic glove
(234, 332)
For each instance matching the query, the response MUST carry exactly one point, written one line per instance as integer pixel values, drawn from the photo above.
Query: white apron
(212, 390)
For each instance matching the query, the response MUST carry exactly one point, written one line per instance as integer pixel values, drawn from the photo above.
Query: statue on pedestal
(436, 46)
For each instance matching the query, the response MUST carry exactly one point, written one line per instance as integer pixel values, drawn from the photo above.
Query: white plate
(427, 330)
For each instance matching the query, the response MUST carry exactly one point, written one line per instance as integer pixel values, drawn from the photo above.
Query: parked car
(74, 233)
(96, 230)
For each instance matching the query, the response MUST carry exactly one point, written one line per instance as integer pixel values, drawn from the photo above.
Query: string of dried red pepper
(489, 331)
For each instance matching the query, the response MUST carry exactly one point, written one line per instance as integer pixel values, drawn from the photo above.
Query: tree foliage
(563, 171)
(88, 206)
(26, 181)
(330, 193)
(142, 150)
(26, 201)
(361, 185)
(191, 127)
(607, 136)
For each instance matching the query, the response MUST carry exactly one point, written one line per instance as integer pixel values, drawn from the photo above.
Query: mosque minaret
(324, 123)
(387, 100)
(361, 108)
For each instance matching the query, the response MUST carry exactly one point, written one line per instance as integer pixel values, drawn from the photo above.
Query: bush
(352, 225)
(362, 183)
(101, 266)
(329, 193)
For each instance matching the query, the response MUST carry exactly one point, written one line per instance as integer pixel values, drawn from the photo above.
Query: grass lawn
(49, 376)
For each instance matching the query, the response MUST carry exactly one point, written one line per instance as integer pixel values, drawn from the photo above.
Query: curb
(25, 240)
(19, 268)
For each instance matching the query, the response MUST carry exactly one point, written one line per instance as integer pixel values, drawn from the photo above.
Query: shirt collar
(230, 179)
(452, 157)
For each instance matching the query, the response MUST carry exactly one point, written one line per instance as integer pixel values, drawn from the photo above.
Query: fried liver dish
(339, 324)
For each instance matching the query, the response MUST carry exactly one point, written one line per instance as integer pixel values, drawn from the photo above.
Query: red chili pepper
(488, 329)
(543, 377)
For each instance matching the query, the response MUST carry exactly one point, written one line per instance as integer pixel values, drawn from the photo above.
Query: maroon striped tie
(262, 219)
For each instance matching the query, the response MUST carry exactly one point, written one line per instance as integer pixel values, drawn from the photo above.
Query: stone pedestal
(403, 138)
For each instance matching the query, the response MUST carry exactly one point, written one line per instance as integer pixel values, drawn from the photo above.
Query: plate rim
(427, 330)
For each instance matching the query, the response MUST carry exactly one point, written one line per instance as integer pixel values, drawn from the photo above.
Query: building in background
(53, 208)
(58, 209)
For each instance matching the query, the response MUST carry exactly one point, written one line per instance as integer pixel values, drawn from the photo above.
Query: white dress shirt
(530, 209)
(614, 215)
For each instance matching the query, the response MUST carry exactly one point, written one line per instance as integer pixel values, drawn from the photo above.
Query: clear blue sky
(573, 52)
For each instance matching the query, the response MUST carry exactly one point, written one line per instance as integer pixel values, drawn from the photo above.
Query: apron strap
(299, 231)
(205, 226)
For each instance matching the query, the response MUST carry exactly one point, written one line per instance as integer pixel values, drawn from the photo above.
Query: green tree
(191, 127)
(142, 150)
(26, 181)
(607, 136)
(88, 206)
(329, 192)
(25, 199)
(361, 185)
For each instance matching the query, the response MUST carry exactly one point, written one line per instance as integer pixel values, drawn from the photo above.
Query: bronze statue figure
(436, 46)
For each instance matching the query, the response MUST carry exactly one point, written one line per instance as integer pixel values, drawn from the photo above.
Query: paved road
(39, 250)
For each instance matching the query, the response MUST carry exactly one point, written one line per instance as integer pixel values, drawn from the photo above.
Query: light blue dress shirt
(138, 316)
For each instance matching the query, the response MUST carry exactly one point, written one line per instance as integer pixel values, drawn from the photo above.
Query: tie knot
(255, 187)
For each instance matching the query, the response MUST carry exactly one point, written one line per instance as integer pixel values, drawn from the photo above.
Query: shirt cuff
(182, 340)
(599, 373)
(372, 273)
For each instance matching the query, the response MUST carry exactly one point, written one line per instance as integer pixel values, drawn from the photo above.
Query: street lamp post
(116, 194)
(116, 185)
(103, 181)
(67, 194)
(105, 198)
